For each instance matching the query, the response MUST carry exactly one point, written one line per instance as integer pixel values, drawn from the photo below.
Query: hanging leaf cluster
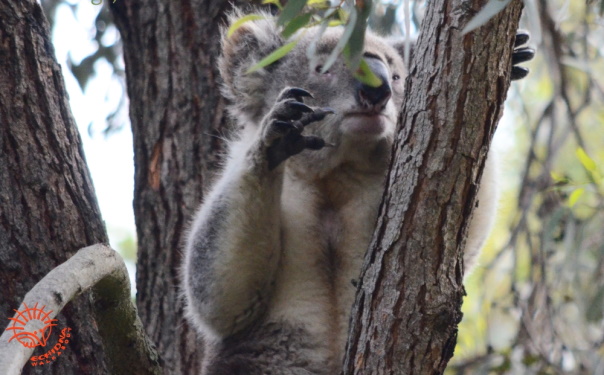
(297, 16)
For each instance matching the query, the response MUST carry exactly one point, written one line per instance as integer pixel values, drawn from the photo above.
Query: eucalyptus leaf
(296, 24)
(291, 10)
(237, 24)
(587, 162)
(574, 197)
(318, 4)
(344, 38)
(273, 56)
(356, 42)
(277, 3)
(365, 75)
(343, 15)
(489, 11)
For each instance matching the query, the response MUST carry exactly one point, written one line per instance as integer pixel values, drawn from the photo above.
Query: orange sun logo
(31, 326)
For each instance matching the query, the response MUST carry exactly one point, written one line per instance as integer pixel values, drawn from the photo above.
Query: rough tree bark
(409, 302)
(47, 205)
(176, 111)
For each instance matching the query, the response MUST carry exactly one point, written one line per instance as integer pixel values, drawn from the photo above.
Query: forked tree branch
(102, 269)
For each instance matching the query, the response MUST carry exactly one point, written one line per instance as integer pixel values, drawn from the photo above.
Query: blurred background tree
(535, 305)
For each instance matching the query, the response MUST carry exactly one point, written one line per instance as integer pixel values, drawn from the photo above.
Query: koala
(274, 251)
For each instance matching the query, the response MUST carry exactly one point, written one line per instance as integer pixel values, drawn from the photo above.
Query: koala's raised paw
(284, 124)
(521, 54)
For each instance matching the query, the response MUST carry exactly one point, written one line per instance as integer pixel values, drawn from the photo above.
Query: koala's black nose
(373, 97)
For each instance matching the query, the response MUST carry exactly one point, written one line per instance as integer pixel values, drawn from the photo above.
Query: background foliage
(535, 305)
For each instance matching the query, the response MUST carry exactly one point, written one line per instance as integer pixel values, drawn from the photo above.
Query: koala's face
(365, 117)
(362, 111)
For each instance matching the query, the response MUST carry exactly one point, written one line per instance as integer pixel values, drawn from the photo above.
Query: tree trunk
(48, 209)
(176, 110)
(409, 302)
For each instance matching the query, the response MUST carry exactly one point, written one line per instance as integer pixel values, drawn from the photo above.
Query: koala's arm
(233, 247)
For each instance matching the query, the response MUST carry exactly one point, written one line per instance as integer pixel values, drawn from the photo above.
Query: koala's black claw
(317, 115)
(519, 72)
(522, 37)
(299, 106)
(328, 110)
(294, 93)
(522, 54)
(298, 93)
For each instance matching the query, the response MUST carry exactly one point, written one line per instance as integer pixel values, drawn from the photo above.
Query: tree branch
(102, 269)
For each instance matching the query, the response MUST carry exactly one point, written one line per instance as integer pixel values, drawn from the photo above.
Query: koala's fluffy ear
(399, 45)
(251, 42)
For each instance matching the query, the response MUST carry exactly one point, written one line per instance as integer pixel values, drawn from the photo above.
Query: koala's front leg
(282, 127)
(234, 246)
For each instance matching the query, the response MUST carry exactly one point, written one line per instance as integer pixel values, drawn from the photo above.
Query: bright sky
(110, 159)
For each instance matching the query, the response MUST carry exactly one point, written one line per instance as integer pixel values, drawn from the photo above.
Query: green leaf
(366, 76)
(277, 3)
(356, 42)
(291, 10)
(557, 177)
(574, 197)
(319, 4)
(273, 56)
(335, 23)
(486, 13)
(296, 24)
(588, 163)
(344, 38)
(342, 15)
(237, 24)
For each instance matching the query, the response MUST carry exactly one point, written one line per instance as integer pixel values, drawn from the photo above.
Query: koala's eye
(319, 69)
(396, 77)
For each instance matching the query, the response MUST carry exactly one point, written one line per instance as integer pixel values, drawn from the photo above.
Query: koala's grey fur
(272, 254)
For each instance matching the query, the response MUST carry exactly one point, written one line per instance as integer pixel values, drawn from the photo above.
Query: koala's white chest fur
(327, 226)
